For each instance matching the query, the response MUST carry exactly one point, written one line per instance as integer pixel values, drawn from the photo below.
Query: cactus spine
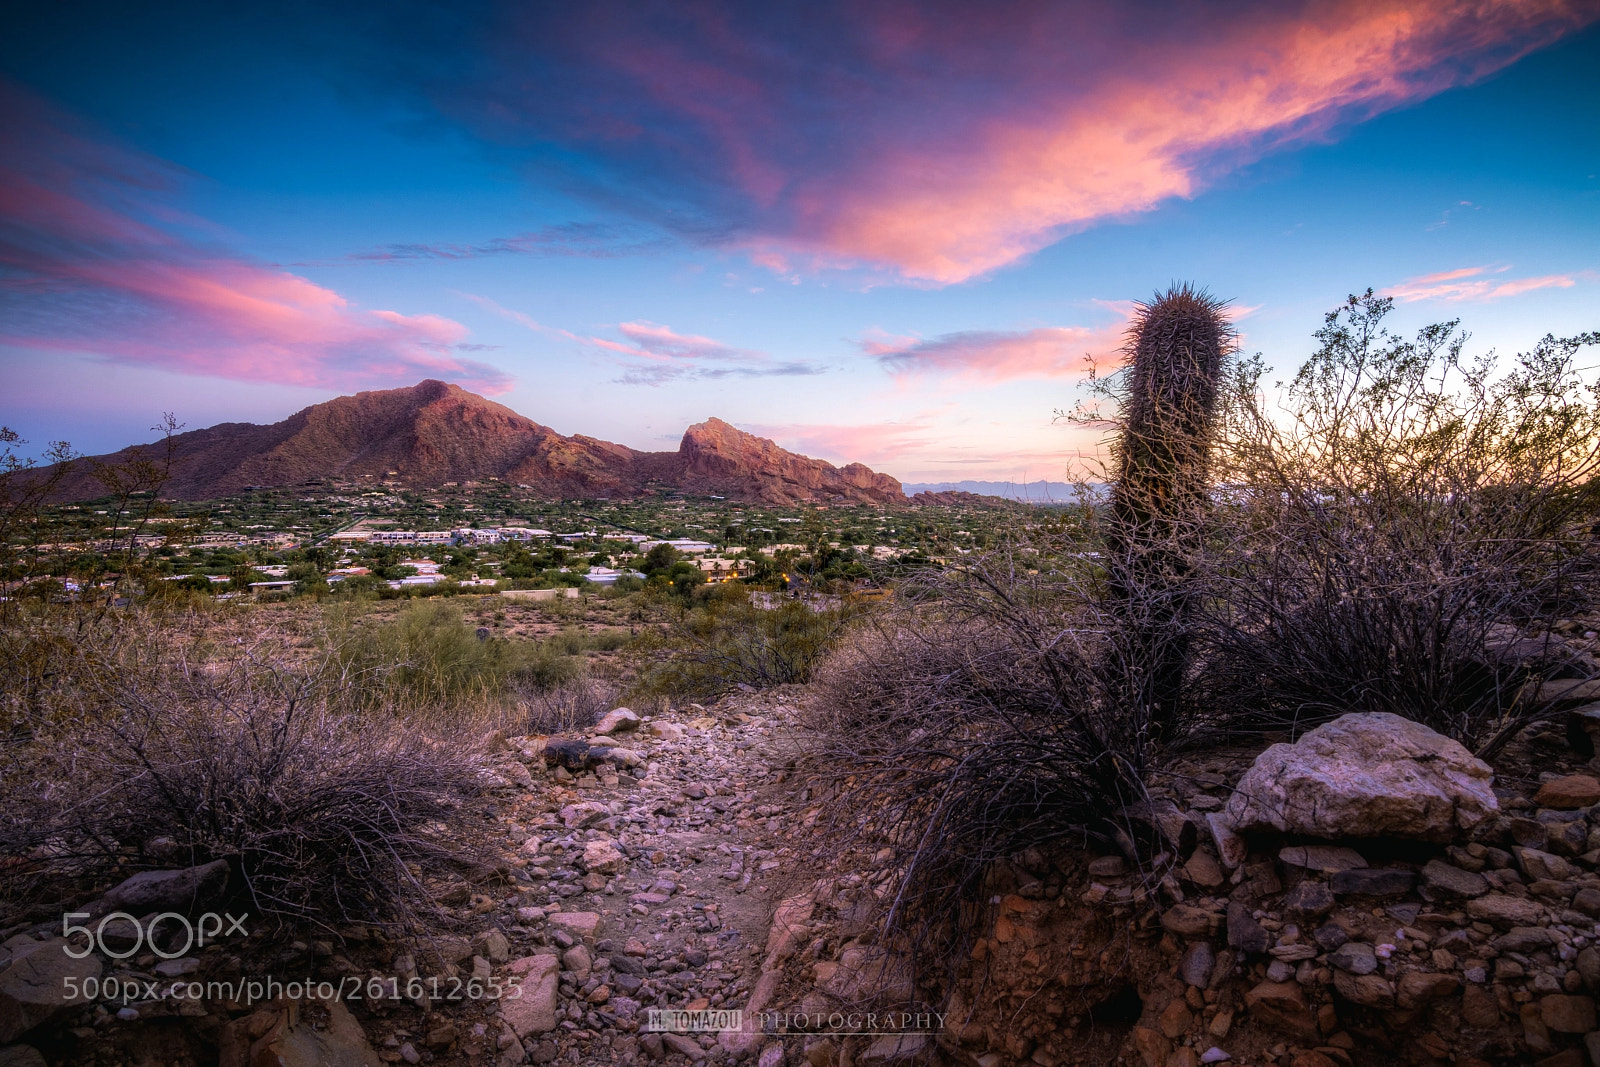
(1177, 346)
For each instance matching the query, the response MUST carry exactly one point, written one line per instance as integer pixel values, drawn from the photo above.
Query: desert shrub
(724, 639)
(320, 813)
(1394, 524)
(428, 656)
(972, 722)
(570, 705)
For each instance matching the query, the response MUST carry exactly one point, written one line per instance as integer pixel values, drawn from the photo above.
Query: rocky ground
(669, 863)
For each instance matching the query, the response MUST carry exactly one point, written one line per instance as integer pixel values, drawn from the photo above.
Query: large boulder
(183, 890)
(1369, 774)
(38, 980)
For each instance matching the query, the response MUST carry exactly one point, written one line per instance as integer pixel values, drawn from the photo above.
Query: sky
(891, 233)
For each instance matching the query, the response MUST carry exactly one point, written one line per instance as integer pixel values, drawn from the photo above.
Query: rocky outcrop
(433, 432)
(1365, 775)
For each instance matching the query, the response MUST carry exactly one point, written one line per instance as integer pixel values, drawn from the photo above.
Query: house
(608, 576)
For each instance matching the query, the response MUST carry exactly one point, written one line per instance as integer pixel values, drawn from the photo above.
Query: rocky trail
(670, 863)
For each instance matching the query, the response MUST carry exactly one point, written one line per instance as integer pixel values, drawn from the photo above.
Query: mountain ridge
(435, 432)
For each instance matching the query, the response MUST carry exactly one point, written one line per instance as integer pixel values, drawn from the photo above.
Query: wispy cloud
(870, 443)
(96, 257)
(586, 240)
(652, 354)
(1470, 283)
(978, 356)
(940, 143)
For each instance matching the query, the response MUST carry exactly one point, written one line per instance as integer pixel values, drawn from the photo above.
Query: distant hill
(1040, 492)
(432, 432)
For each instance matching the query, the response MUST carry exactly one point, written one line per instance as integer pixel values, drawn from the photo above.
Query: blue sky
(884, 234)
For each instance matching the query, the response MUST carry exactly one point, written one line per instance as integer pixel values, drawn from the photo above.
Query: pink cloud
(990, 356)
(941, 143)
(869, 443)
(656, 354)
(1467, 283)
(97, 259)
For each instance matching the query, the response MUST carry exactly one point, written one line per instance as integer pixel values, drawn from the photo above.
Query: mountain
(432, 432)
(1040, 492)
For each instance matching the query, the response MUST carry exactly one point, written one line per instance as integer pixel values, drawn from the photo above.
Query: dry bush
(971, 723)
(1404, 512)
(320, 813)
(568, 706)
(722, 640)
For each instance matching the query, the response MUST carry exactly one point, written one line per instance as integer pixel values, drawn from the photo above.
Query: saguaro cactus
(1177, 346)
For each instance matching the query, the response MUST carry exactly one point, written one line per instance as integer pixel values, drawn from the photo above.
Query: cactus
(1177, 346)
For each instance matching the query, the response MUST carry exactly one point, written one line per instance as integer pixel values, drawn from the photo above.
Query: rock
(156, 891)
(1282, 1005)
(1539, 866)
(1587, 900)
(1504, 911)
(1368, 990)
(1374, 882)
(1188, 921)
(1214, 1055)
(1325, 859)
(1198, 961)
(1308, 900)
(1367, 774)
(34, 985)
(895, 1048)
(1231, 848)
(1175, 1019)
(1355, 957)
(1421, 987)
(1567, 1014)
(1244, 932)
(1108, 867)
(176, 968)
(602, 857)
(20, 1056)
(534, 1012)
(492, 946)
(1152, 1047)
(1565, 794)
(583, 925)
(1330, 936)
(1204, 870)
(277, 1038)
(1479, 1008)
(576, 959)
(683, 1045)
(616, 721)
(1523, 939)
(667, 731)
(1441, 881)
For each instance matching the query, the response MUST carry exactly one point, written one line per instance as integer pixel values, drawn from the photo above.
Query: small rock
(1243, 931)
(1441, 881)
(1567, 1014)
(1107, 867)
(1373, 882)
(1198, 961)
(1505, 911)
(1540, 866)
(616, 721)
(1356, 957)
(1308, 900)
(1214, 1055)
(1325, 859)
(1330, 936)
(1368, 990)
(1187, 920)
(1565, 794)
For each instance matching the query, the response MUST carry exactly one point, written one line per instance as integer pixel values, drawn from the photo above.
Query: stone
(1232, 849)
(1108, 867)
(534, 1012)
(1325, 859)
(1175, 1019)
(891, 1048)
(1152, 1047)
(1539, 866)
(1587, 900)
(1373, 882)
(1442, 881)
(1565, 794)
(616, 721)
(602, 857)
(1505, 911)
(1244, 932)
(1368, 990)
(21, 1056)
(1204, 870)
(1417, 988)
(1356, 957)
(683, 1045)
(1567, 1014)
(1308, 900)
(1367, 774)
(1197, 963)
(33, 987)
(583, 925)
(1187, 920)
(156, 891)
(667, 731)
(1282, 1006)
(492, 946)
(1479, 1008)
(1329, 936)
(1523, 939)
(577, 960)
